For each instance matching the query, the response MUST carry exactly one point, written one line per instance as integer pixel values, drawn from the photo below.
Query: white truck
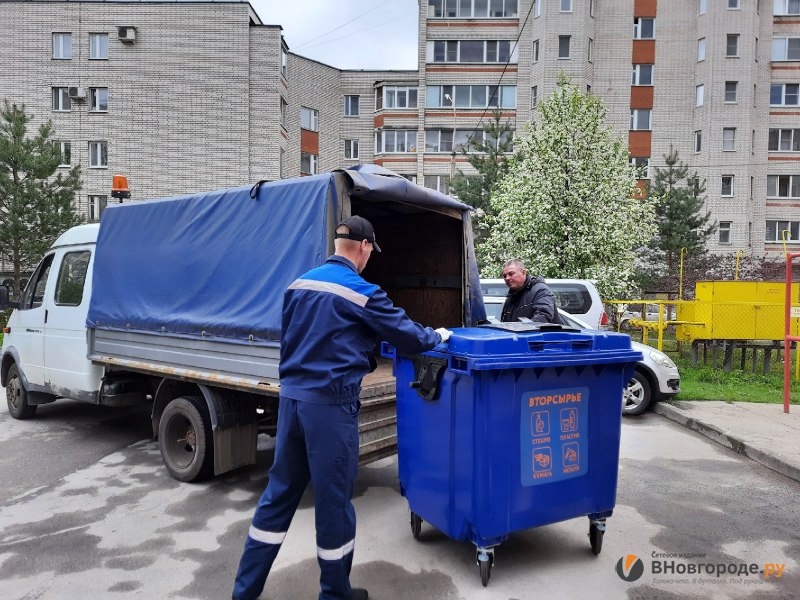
(177, 303)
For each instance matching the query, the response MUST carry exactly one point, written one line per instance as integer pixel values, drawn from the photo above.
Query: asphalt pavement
(88, 511)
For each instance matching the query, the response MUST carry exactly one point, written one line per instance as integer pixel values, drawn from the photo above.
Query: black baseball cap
(360, 229)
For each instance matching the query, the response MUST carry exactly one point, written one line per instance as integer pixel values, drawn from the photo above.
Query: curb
(727, 439)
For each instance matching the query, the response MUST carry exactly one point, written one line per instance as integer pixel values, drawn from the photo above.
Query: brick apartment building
(183, 97)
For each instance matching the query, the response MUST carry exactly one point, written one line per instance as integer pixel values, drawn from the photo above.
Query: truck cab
(44, 346)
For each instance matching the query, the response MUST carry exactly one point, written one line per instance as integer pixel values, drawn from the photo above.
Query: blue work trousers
(320, 442)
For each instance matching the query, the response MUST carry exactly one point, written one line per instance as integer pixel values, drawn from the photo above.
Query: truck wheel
(185, 439)
(17, 397)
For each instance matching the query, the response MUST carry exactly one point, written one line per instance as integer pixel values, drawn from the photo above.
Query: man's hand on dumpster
(444, 334)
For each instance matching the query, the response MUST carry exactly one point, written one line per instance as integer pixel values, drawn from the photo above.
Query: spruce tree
(35, 206)
(681, 216)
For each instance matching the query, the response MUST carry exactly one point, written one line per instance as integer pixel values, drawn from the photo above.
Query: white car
(656, 376)
(578, 297)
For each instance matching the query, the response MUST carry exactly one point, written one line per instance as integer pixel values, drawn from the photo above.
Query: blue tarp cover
(219, 262)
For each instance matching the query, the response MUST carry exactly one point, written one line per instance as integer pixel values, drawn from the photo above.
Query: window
(33, 296)
(640, 119)
(698, 141)
(786, 48)
(563, 46)
(438, 182)
(64, 150)
(470, 51)
(753, 142)
(97, 204)
(775, 231)
(724, 232)
(783, 186)
(732, 47)
(733, 4)
(71, 277)
(98, 99)
(284, 113)
(784, 94)
(730, 92)
(351, 106)
(588, 89)
(308, 163)
(309, 119)
(536, 51)
(787, 7)
(534, 95)
(538, 7)
(393, 96)
(644, 29)
(566, 6)
(62, 45)
(756, 53)
(438, 140)
(701, 49)
(61, 99)
(284, 62)
(98, 46)
(642, 75)
(591, 49)
(411, 178)
(471, 96)
(642, 167)
(699, 93)
(784, 140)
(703, 6)
(98, 155)
(728, 139)
(727, 185)
(396, 140)
(282, 164)
(351, 149)
(591, 8)
(466, 9)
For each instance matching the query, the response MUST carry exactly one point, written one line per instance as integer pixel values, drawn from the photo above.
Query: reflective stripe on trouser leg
(332, 449)
(288, 479)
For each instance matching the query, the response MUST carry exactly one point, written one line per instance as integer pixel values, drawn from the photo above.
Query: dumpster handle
(387, 350)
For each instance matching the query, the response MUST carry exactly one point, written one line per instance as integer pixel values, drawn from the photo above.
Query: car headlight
(661, 359)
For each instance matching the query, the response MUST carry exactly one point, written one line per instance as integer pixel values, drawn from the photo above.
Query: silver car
(656, 376)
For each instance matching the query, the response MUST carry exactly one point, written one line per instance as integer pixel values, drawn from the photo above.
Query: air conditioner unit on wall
(76, 93)
(126, 35)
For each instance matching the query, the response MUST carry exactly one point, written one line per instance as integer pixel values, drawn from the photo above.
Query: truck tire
(186, 440)
(17, 397)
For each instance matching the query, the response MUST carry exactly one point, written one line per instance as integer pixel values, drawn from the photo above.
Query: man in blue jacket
(331, 319)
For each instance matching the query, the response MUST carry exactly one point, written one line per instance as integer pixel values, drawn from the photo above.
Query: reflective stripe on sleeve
(266, 537)
(338, 553)
(331, 288)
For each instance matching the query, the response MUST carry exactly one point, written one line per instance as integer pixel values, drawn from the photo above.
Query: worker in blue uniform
(331, 320)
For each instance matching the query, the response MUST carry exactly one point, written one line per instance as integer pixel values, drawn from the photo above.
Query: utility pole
(453, 153)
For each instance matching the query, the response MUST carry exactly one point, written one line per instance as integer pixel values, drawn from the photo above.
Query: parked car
(634, 311)
(578, 297)
(656, 376)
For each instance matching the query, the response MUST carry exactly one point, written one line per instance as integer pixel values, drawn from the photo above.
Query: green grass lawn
(703, 382)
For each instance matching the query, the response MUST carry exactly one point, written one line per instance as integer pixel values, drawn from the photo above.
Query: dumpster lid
(520, 327)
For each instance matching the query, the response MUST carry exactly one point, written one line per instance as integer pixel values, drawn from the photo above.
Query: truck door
(29, 332)
(66, 369)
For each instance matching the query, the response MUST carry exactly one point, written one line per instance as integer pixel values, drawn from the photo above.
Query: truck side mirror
(5, 304)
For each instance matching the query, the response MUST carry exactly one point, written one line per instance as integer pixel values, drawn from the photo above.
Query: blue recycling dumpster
(511, 426)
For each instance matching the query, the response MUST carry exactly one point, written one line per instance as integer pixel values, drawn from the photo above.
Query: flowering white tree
(569, 206)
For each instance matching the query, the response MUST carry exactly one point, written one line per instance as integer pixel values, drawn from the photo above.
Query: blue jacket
(332, 319)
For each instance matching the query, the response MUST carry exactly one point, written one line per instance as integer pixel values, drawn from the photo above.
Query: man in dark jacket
(528, 296)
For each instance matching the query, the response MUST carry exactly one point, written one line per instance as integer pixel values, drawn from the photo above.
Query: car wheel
(636, 395)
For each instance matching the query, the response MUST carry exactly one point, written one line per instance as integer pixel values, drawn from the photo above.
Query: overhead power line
(360, 31)
(342, 25)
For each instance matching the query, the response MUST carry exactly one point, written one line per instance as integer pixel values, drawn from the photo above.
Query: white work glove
(444, 334)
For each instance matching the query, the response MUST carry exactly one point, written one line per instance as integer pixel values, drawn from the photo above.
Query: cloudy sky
(384, 38)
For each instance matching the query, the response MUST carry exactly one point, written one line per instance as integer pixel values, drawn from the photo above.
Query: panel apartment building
(182, 97)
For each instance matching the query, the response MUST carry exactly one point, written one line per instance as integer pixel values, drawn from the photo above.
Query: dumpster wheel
(596, 531)
(485, 560)
(416, 525)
